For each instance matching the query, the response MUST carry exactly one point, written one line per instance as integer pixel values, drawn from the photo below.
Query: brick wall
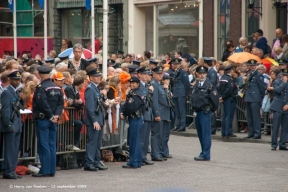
(208, 28)
(235, 21)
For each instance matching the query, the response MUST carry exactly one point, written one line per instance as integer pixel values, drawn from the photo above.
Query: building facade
(200, 27)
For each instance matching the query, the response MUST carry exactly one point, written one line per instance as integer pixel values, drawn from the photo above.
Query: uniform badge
(130, 100)
(146, 68)
(18, 74)
(280, 60)
(52, 93)
(160, 68)
(214, 93)
(252, 61)
(97, 70)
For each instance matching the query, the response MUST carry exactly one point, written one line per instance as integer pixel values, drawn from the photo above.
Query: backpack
(68, 161)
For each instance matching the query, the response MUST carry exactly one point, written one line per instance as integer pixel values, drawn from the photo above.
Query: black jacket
(70, 92)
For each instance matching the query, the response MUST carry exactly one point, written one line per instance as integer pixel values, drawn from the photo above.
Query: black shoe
(146, 162)
(283, 148)
(273, 149)
(167, 157)
(19, 176)
(164, 158)
(200, 159)
(41, 175)
(128, 167)
(249, 136)
(101, 167)
(142, 164)
(157, 159)
(181, 130)
(91, 168)
(232, 135)
(213, 133)
(9, 177)
(256, 137)
(176, 129)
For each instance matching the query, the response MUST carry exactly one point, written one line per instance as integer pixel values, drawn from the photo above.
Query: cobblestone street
(237, 167)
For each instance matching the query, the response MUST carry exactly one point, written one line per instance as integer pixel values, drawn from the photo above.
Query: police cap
(133, 68)
(110, 62)
(282, 61)
(284, 72)
(50, 60)
(63, 57)
(136, 62)
(120, 52)
(15, 75)
(158, 69)
(116, 65)
(251, 62)
(144, 69)
(94, 72)
(201, 69)
(166, 76)
(44, 69)
(175, 61)
(228, 68)
(153, 62)
(94, 59)
(207, 59)
(25, 60)
(134, 79)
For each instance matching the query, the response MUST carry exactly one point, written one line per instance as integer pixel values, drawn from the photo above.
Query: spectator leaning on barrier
(72, 92)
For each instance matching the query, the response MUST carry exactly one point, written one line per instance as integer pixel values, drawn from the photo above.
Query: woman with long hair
(64, 45)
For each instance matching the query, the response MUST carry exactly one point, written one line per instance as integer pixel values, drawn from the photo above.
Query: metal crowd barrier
(266, 117)
(65, 136)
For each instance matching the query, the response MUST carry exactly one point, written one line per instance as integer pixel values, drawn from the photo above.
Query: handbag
(266, 103)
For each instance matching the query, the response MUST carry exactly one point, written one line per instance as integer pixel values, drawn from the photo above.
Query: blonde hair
(29, 89)
(114, 81)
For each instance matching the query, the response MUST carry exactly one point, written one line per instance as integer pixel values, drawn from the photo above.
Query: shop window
(223, 25)
(253, 19)
(177, 28)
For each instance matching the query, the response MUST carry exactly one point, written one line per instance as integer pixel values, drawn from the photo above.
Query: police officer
(11, 125)
(227, 93)
(283, 65)
(93, 62)
(213, 78)
(48, 104)
(94, 122)
(146, 92)
(204, 101)
(133, 109)
(133, 70)
(161, 113)
(152, 64)
(253, 96)
(180, 91)
(279, 107)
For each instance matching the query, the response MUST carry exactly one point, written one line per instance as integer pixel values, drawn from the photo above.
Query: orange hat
(58, 76)
(124, 77)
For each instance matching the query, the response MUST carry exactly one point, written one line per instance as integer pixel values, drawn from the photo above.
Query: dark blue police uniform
(280, 117)
(133, 108)
(94, 113)
(47, 102)
(253, 97)
(204, 100)
(228, 92)
(180, 91)
(146, 94)
(11, 126)
(213, 78)
(161, 130)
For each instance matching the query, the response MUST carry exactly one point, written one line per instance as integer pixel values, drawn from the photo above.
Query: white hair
(242, 39)
(60, 65)
(277, 48)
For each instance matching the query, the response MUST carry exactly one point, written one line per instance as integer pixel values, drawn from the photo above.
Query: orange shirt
(65, 114)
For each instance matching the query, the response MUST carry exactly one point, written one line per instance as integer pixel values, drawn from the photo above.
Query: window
(223, 25)
(177, 28)
(281, 17)
(253, 19)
